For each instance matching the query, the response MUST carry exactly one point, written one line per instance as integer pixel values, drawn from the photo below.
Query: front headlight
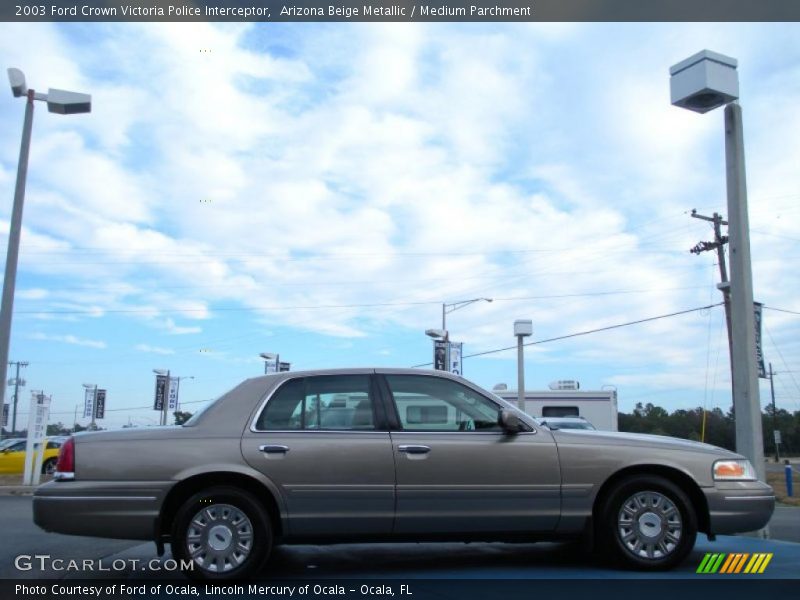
(734, 470)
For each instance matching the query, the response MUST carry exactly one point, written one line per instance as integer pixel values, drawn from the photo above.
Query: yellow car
(12, 457)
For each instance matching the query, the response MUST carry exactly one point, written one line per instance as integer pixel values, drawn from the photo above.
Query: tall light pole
(58, 101)
(93, 387)
(702, 83)
(522, 329)
(454, 306)
(268, 358)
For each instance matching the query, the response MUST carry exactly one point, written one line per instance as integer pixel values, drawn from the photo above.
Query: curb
(16, 490)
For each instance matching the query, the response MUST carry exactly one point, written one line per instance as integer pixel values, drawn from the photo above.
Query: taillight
(65, 466)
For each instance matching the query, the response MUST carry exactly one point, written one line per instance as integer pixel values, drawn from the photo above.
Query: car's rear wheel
(49, 466)
(648, 523)
(225, 533)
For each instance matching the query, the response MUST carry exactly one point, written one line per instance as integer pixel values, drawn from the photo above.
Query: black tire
(224, 531)
(647, 523)
(49, 466)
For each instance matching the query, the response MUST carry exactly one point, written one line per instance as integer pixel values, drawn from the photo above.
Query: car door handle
(273, 449)
(409, 449)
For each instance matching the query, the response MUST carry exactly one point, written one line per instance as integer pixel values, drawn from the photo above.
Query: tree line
(719, 429)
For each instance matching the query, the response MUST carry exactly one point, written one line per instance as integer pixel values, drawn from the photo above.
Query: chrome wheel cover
(649, 525)
(219, 538)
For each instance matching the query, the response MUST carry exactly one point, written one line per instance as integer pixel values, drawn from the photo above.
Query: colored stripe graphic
(703, 563)
(711, 563)
(765, 563)
(740, 564)
(736, 563)
(727, 565)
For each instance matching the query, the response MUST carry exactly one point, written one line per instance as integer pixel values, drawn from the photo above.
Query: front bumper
(739, 506)
(100, 508)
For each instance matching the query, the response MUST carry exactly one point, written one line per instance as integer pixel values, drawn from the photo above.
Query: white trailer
(599, 408)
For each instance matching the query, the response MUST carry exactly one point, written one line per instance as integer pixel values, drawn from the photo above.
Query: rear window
(326, 402)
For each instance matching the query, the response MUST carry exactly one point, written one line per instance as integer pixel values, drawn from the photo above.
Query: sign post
(38, 416)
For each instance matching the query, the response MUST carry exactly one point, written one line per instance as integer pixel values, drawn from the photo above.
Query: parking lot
(377, 561)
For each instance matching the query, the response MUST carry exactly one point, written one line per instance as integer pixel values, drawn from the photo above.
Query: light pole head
(268, 356)
(436, 333)
(704, 81)
(523, 328)
(68, 103)
(17, 80)
(160, 371)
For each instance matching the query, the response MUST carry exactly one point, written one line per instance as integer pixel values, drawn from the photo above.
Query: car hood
(617, 438)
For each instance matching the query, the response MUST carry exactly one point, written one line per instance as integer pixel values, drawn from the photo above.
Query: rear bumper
(100, 508)
(736, 507)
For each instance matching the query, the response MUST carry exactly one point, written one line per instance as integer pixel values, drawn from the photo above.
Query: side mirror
(510, 422)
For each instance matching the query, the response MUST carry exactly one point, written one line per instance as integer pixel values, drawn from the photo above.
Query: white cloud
(169, 326)
(153, 349)
(69, 339)
(398, 167)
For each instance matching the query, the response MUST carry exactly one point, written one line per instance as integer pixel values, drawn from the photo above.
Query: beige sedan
(391, 455)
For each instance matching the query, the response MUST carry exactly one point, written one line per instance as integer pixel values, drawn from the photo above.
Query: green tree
(181, 417)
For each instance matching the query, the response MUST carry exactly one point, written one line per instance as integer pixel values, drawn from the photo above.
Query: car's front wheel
(648, 523)
(225, 533)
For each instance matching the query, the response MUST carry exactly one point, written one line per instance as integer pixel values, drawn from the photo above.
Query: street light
(522, 329)
(701, 83)
(268, 357)
(93, 387)
(454, 306)
(58, 101)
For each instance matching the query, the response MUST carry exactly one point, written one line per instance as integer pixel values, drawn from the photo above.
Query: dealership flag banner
(762, 370)
(100, 405)
(88, 403)
(174, 385)
(161, 392)
(455, 358)
(440, 355)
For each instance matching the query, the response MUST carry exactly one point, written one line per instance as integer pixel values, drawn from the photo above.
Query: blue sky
(318, 190)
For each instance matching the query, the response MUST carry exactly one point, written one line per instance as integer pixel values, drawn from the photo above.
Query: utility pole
(18, 364)
(776, 436)
(724, 285)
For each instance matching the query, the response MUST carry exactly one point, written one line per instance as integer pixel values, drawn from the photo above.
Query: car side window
(434, 404)
(326, 402)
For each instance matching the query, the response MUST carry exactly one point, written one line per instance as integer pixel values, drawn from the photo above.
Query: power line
(783, 310)
(69, 412)
(158, 311)
(587, 332)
